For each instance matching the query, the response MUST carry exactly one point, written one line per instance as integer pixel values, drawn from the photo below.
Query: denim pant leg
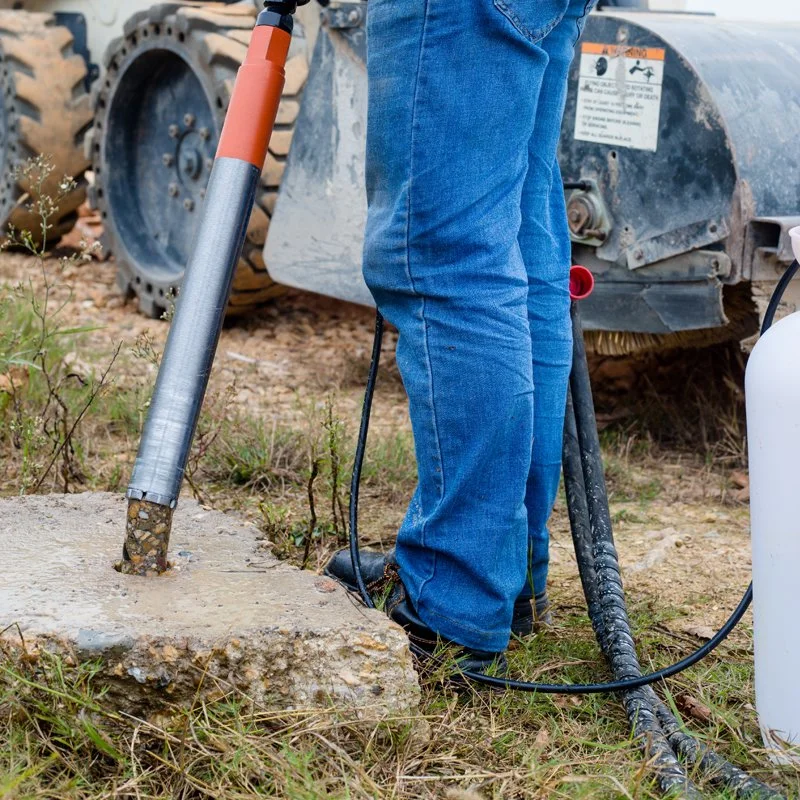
(545, 246)
(453, 91)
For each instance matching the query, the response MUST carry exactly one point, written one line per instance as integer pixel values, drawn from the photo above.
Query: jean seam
(532, 36)
(589, 4)
(426, 345)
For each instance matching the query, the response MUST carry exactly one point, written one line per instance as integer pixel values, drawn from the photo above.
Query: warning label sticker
(619, 95)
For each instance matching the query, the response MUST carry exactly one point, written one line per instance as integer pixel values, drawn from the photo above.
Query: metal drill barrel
(192, 342)
(186, 365)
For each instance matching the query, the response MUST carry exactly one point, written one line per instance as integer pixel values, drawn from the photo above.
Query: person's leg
(545, 246)
(453, 92)
(551, 343)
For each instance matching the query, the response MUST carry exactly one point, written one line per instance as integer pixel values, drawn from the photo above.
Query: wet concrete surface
(228, 616)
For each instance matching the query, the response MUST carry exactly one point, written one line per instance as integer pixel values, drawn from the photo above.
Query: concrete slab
(229, 615)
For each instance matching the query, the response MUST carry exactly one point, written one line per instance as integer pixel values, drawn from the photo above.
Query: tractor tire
(158, 117)
(46, 111)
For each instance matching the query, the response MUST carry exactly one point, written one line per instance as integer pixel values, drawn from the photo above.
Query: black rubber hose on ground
(578, 511)
(714, 768)
(607, 607)
(652, 722)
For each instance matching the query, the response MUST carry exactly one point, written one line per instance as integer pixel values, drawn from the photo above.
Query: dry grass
(58, 738)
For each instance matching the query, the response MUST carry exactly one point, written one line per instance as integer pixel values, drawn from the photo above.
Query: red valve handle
(581, 283)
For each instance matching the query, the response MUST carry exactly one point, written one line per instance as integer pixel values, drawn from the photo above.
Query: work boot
(532, 616)
(527, 616)
(373, 568)
(381, 577)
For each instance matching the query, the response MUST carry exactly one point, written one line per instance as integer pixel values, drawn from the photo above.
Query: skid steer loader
(682, 181)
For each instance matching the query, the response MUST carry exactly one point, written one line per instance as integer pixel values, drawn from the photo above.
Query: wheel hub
(159, 114)
(173, 120)
(190, 163)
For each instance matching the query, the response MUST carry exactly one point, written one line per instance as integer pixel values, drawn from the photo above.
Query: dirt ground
(683, 539)
(678, 502)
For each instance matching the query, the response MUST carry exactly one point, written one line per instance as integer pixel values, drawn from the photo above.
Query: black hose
(608, 611)
(777, 296)
(621, 685)
(358, 464)
(716, 769)
(653, 724)
(578, 510)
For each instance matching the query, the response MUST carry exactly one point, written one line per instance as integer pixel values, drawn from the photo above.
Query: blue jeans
(467, 253)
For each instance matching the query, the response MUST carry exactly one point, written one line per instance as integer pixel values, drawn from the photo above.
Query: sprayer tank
(773, 428)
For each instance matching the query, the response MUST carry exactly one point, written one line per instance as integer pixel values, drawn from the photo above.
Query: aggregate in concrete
(228, 617)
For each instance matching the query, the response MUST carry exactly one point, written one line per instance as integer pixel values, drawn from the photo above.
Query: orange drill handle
(256, 97)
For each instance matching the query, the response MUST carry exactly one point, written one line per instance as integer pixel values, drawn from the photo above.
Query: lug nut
(188, 204)
(174, 130)
(209, 163)
(202, 194)
(189, 120)
(173, 190)
(191, 162)
(168, 159)
(205, 134)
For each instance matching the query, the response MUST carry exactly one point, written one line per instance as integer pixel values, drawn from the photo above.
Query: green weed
(46, 396)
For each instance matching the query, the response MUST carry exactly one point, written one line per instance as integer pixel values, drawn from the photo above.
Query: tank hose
(659, 732)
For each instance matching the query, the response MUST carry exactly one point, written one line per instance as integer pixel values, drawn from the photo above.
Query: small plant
(275, 520)
(28, 437)
(334, 430)
(46, 396)
(325, 457)
(146, 349)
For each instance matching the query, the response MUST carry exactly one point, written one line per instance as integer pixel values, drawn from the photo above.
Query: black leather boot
(398, 607)
(527, 617)
(382, 579)
(532, 616)
(373, 567)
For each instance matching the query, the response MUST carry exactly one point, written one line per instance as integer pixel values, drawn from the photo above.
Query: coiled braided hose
(655, 727)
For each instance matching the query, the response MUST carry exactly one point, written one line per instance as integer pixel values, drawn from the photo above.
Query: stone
(227, 616)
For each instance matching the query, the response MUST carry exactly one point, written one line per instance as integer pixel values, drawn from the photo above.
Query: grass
(59, 738)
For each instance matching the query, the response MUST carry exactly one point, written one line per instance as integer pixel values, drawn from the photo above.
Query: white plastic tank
(773, 431)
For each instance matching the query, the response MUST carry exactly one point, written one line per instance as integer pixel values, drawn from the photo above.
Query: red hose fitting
(581, 283)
